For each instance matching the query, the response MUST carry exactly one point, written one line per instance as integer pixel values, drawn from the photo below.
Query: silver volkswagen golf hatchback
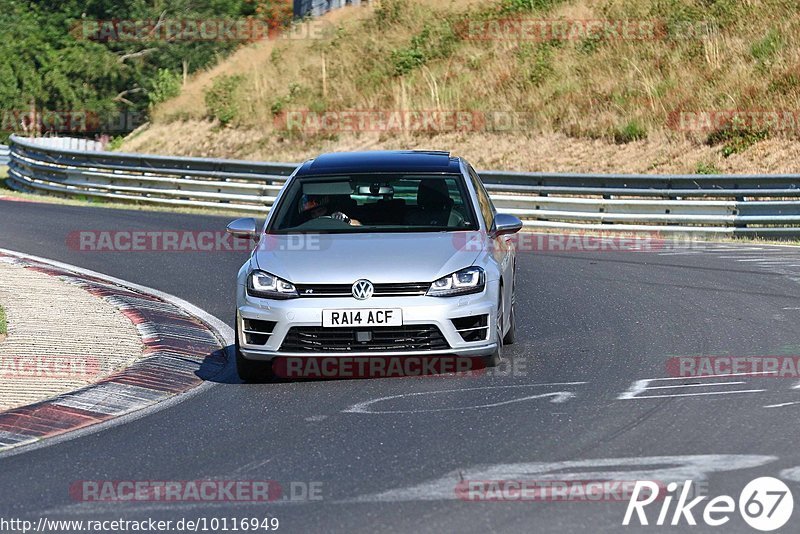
(376, 254)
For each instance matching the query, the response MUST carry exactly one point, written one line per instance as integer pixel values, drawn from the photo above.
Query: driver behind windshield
(320, 206)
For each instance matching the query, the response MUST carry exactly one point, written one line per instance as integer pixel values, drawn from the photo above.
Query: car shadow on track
(219, 367)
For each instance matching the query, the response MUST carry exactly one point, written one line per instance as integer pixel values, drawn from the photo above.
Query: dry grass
(589, 102)
(554, 152)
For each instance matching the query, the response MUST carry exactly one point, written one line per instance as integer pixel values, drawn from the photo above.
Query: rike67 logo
(765, 504)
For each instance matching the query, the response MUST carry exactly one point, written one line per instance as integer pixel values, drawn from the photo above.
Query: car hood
(380, 258)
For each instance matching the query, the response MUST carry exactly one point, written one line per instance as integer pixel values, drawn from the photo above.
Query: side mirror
(506, 224)
(244, 228)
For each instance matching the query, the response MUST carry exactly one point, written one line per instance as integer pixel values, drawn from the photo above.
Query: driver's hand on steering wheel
(339, 216)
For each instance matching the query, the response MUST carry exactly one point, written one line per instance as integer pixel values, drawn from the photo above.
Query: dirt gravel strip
(176, 350)
(61, 337)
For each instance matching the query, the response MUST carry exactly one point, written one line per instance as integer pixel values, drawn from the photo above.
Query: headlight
(463, 282)
(266, 285)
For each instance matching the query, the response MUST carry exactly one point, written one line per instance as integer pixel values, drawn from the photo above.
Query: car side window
(487, 208)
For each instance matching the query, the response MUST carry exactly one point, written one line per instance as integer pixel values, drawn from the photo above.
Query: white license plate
(362, 317)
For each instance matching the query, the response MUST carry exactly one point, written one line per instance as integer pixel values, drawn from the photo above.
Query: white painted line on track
(696, 385)
(793, 474)
(642, 386)
(679, 253)
(781, 404)
(712, 376)
(699, 394)
(742, 258)
(557, 397)
(777, 262)
(662, 468)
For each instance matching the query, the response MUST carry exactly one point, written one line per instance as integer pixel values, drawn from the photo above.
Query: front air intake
(473, 328)
(257, 332)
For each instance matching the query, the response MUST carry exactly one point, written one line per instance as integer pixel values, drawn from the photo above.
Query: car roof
(399, 161)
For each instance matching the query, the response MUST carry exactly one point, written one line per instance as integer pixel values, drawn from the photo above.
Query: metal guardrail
(719, 204)
(71, 143)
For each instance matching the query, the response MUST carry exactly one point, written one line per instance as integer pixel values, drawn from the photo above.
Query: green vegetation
(706, 168)
(115, 143)
(631, 131)
(765, 50)
(222, 100)
(67, 57)
(736, 137)
(3, 325)
(435, 41)
(164, 86)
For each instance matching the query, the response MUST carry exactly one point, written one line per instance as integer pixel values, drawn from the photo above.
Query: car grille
(388, 338)
(346, 290)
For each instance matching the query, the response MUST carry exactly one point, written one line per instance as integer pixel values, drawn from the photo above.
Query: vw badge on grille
(362, 289)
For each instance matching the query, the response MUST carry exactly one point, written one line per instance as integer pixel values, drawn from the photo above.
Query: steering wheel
(338, 216)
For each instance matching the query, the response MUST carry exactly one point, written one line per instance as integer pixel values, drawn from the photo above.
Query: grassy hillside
(594, 102)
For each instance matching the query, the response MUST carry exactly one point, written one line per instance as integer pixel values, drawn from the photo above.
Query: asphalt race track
(567, 402)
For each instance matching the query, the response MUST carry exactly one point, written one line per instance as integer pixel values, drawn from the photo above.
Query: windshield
(375, 203)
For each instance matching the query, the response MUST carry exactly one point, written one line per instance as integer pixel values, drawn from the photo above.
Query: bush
(736, 137)
(115, 143)
(706, 168)
(433, 42)
(222, 100)
(765, 49)
(164, 86)
(632, 131)
(390, 12)
(535, 63)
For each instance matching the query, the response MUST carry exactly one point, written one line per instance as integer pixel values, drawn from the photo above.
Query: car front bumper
(417, 310)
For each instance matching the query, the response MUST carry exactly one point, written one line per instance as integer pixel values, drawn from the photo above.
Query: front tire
(511, 335)
(494, 359)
